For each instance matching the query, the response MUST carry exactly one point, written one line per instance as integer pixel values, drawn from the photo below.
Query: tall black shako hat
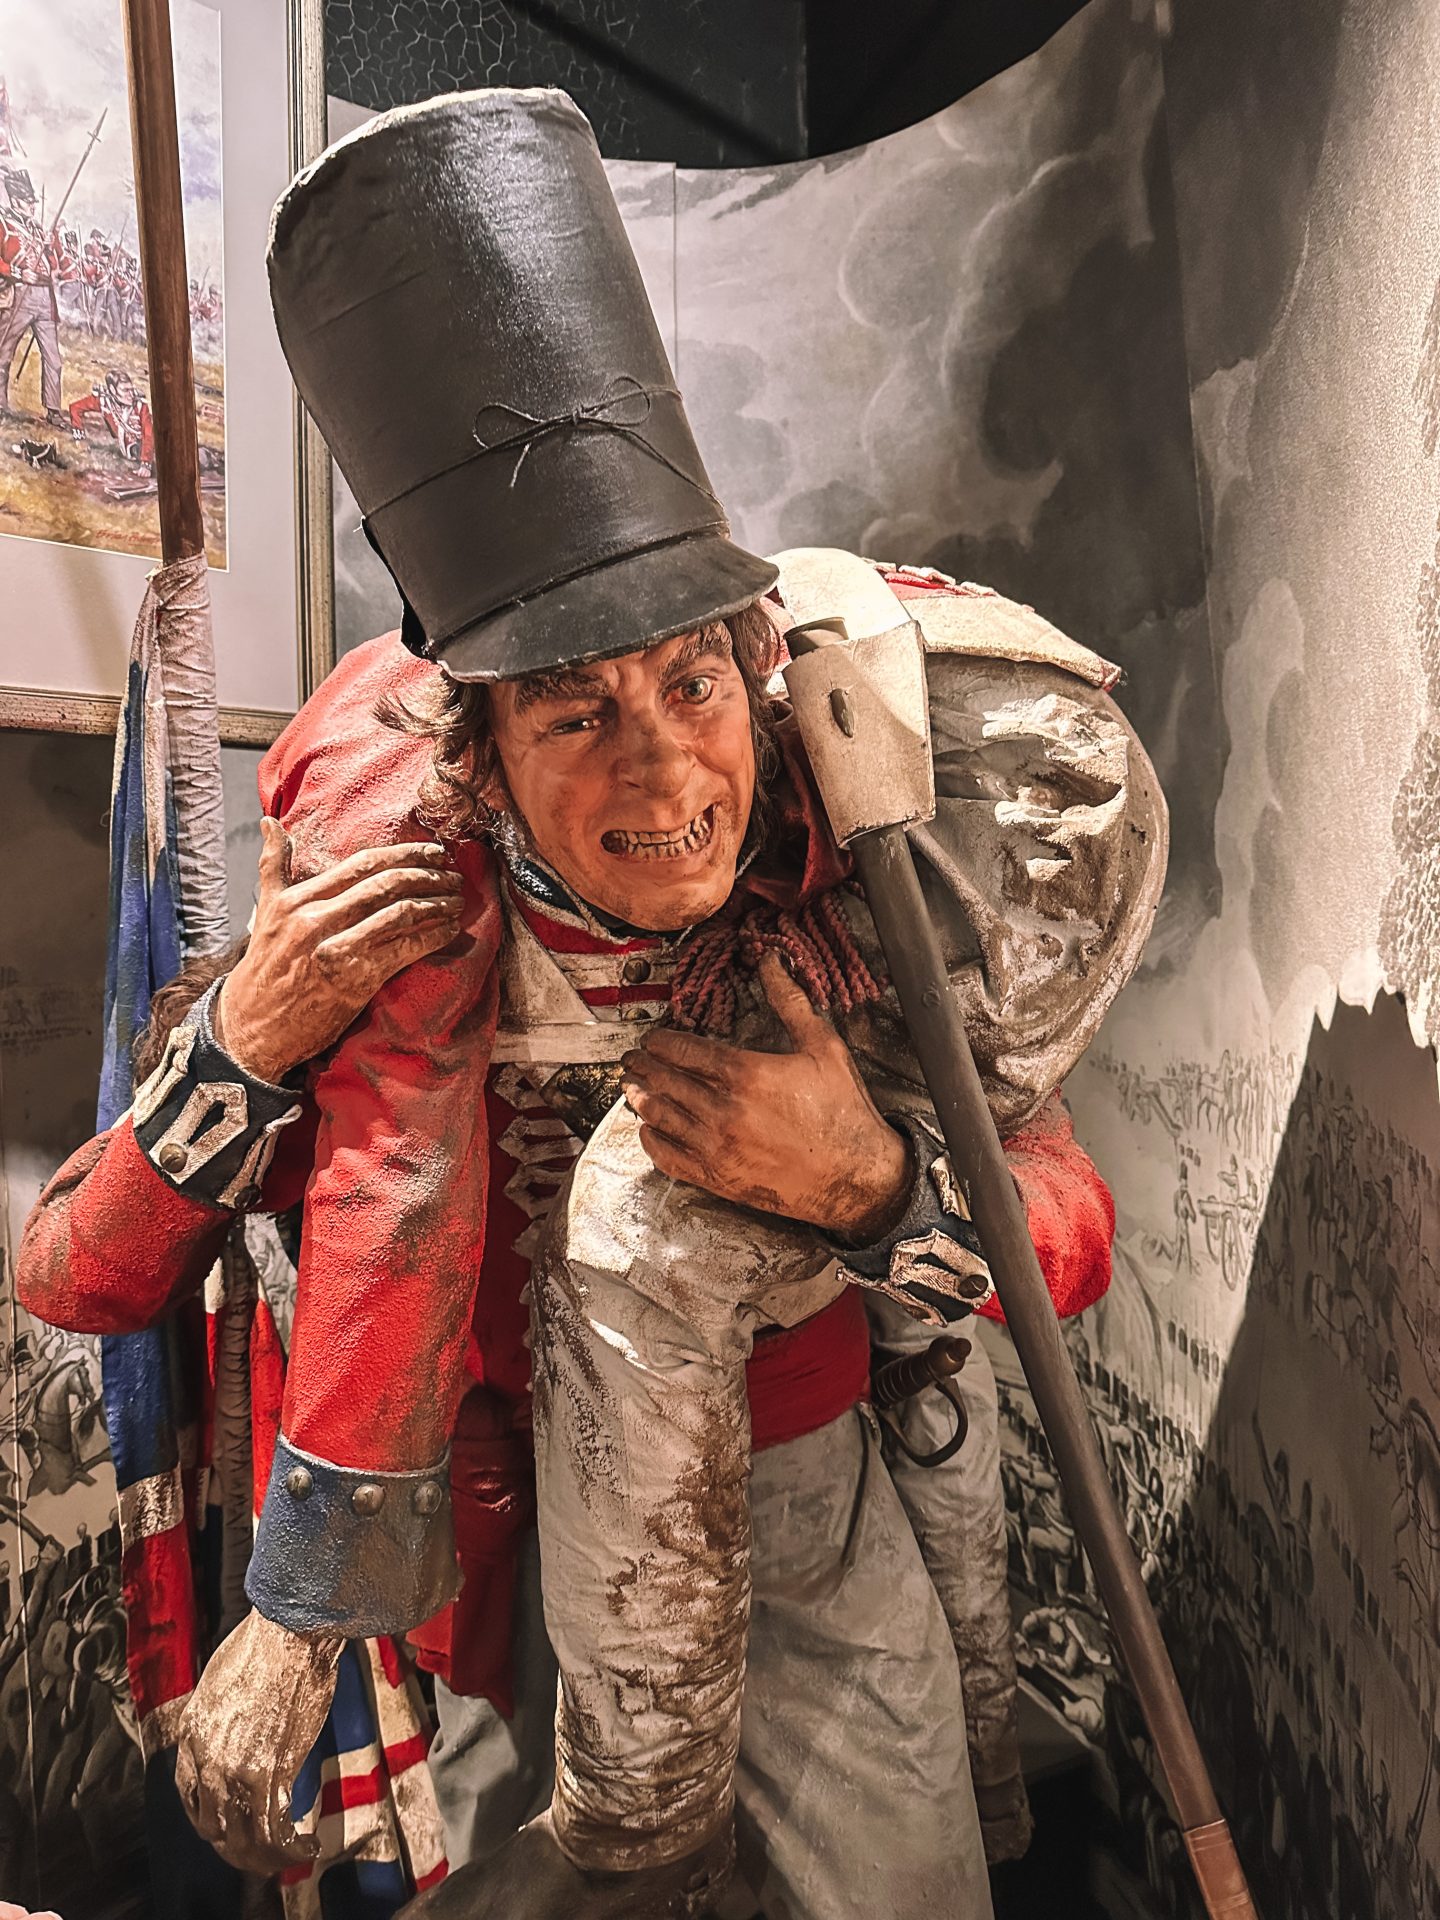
(463, 316)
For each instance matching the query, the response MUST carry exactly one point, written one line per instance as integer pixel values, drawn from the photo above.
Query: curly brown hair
(170, 1004)
(455, 716)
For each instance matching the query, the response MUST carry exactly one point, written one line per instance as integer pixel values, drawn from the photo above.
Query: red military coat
(398, 1308)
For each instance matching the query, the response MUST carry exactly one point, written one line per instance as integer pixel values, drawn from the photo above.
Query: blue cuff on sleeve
(207, 1127)
(352, 1551)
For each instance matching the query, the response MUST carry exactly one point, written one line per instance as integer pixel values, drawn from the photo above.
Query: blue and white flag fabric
(365, 1790)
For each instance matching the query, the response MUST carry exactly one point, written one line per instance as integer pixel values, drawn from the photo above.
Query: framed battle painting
(79, 522)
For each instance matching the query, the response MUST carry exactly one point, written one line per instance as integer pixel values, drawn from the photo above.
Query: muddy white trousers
(957, 1512)
(852, 1787)
(645, 1296)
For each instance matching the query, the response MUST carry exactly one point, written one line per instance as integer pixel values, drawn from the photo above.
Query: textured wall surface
(1266, 1364)
(709, 82)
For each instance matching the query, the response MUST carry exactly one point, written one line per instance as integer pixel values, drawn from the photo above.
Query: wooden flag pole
(160, 211)
(173, 638)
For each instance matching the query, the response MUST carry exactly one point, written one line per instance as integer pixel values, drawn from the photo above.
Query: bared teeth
(661, 846)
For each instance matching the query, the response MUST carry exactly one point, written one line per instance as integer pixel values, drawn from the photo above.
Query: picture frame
(63, 659)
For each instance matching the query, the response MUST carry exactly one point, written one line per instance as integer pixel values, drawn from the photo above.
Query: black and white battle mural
(70, 1764)
(1264, 1101)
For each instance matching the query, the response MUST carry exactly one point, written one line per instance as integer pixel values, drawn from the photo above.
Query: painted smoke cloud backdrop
(1145, 332)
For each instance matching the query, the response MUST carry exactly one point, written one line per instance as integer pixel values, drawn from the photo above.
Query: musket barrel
(886, 869)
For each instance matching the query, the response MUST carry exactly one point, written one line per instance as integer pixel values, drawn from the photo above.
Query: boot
(531, 1879)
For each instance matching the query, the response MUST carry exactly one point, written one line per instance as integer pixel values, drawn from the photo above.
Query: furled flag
(178, 1396)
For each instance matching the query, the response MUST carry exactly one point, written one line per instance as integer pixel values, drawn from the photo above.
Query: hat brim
(629, 603)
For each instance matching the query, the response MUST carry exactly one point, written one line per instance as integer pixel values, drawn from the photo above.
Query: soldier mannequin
(613, 749)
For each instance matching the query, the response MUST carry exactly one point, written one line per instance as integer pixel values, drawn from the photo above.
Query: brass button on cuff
(172, 1157)
(354, 1550)
(635, 969)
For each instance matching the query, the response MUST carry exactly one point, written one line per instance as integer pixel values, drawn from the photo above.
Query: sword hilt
(901, 1379)
(910, 1373)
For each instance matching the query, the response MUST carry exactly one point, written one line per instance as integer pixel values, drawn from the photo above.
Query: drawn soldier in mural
(33, 262)
(1040, 1531)
(58, 1425)
(1417, 1511)
(1422, 1322)
(1069, 1656)
(64, 1707)
(1230, 1220)
(1294, 1528)
(1185, 1217)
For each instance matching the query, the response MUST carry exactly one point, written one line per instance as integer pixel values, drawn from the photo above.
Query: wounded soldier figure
(563, 1016)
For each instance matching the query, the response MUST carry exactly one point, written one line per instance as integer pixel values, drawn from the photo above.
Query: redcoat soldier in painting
(123, 411)
(95, 263)
(658, 1073)
(126, 295)
(34, 263)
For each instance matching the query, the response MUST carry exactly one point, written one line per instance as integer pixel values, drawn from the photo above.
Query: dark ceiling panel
(872, 69)
(705, 83)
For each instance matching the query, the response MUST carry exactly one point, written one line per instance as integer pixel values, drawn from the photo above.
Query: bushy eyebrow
(561, 683)
(711, 643)
(582, 683)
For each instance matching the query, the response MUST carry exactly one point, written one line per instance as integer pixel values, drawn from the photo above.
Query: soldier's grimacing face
(635, 776)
